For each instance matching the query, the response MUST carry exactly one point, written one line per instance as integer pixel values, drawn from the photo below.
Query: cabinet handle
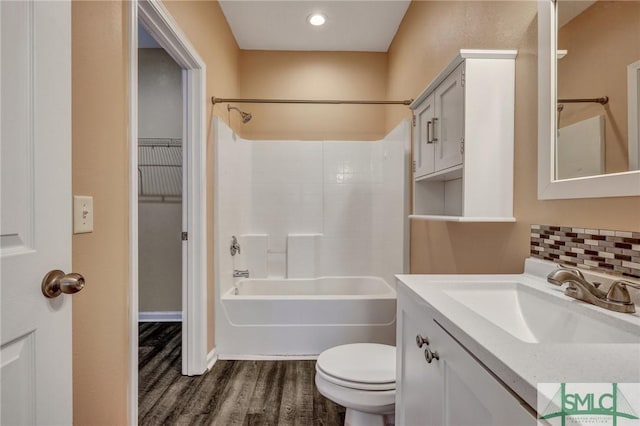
(430, 356)
(421, 341)
(429, 140)
(434, 130)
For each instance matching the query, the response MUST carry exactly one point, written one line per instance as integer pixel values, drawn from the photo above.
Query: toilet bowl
(362, 378)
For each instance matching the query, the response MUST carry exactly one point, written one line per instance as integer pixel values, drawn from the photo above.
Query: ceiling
(567, 10)
(367, 26)
(145, 40)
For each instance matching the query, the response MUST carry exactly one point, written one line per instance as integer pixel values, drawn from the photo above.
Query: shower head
(246, 116)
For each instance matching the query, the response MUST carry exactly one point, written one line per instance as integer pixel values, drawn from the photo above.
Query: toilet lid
(367, 363)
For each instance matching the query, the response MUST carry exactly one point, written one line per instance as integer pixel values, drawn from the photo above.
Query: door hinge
(462, 146)
(413, 166)
(462, 80)
(185, 236)
(413, 120)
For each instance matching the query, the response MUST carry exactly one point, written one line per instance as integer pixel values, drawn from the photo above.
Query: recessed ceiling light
(317, 19)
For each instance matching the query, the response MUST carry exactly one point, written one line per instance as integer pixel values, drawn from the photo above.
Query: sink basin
(534, 316)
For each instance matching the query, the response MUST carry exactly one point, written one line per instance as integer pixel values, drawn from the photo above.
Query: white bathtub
(293, 317)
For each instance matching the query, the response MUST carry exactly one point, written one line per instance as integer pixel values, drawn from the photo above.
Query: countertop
(521, 365)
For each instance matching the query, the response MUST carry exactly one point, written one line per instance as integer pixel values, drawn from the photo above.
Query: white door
(35, 206)
(472, 396)
(423, 146)
(420, 401)
(449, 121)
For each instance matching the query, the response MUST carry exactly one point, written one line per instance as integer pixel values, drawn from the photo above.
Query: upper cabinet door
(449, 121)
(423, 146)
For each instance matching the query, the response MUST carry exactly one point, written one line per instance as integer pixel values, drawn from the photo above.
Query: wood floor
(231, 393)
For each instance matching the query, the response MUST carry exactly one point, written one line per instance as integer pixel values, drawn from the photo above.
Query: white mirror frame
(624, 184)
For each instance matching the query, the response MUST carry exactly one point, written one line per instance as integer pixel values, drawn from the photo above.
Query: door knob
(57, 282)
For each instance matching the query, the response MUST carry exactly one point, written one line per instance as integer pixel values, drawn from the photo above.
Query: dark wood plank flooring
(231, 393)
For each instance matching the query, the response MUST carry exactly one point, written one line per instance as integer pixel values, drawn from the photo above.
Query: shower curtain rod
(215, 100)
(603, 101)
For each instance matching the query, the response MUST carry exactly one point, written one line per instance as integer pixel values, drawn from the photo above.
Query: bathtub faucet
(235, 247)
(240, 273)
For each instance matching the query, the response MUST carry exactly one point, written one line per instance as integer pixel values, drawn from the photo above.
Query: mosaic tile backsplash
(616, 252)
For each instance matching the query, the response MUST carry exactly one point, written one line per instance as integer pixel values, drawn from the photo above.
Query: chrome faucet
(618, 292)
(235, 246)
(616, 299)
(240, 273)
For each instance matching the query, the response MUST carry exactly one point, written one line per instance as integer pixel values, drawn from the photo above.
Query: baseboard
(160, 316)
(244, 357)
(212, 357)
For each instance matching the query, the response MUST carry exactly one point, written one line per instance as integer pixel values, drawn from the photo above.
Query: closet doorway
(160, 182)
(167, 197)
(160, 203)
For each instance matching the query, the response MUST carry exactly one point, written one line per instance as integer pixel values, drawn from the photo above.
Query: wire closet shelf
(159, 170)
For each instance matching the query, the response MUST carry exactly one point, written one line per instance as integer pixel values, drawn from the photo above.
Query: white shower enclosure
(305, 211)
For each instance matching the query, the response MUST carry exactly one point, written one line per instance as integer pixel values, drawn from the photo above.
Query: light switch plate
(82, 214)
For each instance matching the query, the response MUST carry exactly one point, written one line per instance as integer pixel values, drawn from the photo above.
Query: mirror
(597, 42)
(589, 70)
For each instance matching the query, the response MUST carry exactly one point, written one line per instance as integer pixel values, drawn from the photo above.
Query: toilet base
(360, 418)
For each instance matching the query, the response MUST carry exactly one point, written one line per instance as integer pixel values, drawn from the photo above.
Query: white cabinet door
(423, 146)
(420, 385)
(453, 390)
(35, 151)
(449, 121)
(472, 396)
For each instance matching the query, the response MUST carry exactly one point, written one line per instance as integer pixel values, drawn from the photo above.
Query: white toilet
(362, 378)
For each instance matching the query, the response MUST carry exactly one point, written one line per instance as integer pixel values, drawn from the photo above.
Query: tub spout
(240, 273)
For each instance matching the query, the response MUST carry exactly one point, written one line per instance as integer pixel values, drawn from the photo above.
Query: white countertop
(521, 365)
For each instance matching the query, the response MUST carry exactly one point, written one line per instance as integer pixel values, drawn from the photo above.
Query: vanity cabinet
(463, 140)
(454, 389)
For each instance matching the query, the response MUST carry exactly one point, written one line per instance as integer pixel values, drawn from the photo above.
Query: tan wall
(100, 168)
(593, 68)
(312, 75)
(204, 24)
(427, 40)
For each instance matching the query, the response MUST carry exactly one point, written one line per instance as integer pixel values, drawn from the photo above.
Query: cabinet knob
(430, 356)
(421, 341)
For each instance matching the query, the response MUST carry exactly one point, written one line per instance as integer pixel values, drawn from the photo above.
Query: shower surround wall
(308, 209)
(325, 209)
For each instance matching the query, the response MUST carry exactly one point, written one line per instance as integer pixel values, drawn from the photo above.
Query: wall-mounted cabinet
(463, 140)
